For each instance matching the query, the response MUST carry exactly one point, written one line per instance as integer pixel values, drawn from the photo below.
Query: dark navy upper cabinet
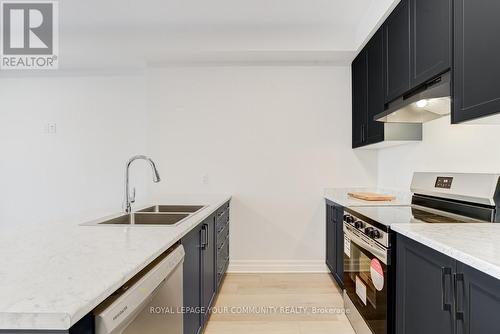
(359, 99)
(478, 301)
(423, 289)
(375, 90)
(335, 241)
(431, 35)
(476, 59)
(397, 52)
(367, 93)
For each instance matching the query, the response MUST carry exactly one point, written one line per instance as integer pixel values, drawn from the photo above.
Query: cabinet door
(192, 280)
(339, 246)
(430, 39)
(476, 54)
(375, 90)
(359, 99)
(423, 289)
(208, 263)
(397, 52)
(330, 238)
(478, 301)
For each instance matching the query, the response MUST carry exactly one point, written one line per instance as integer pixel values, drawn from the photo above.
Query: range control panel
(366, 229)
(444, 182)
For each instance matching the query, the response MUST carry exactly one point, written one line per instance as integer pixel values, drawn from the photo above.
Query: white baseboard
(277, 266)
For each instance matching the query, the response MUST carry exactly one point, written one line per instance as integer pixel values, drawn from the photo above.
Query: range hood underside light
(411, 113)
(430, 101)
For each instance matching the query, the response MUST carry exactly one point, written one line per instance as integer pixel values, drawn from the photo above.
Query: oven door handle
(380, 253)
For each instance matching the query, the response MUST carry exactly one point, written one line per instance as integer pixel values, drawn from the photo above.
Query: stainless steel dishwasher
(150, 303)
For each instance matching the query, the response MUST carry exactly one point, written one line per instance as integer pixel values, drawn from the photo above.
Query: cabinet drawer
(222, 236)
(222, 221)
(222, 272)
(220, 211)
(223, 252)
(222, 260)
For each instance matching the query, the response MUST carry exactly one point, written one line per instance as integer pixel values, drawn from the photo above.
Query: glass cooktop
(410, 214)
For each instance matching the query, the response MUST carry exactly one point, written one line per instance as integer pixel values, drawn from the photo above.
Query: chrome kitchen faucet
(130, 198)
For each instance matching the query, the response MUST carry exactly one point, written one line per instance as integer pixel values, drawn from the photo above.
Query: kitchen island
(53, 275)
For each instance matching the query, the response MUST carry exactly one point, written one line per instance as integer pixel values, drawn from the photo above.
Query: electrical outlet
(204, 179)
(51, 128)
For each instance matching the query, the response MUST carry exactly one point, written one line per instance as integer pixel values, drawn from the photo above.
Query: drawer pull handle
(459, 315)
(444, 272)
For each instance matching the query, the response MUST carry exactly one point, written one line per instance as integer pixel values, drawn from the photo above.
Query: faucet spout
(130, 198)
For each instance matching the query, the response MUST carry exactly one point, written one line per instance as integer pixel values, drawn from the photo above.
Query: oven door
(365, 282)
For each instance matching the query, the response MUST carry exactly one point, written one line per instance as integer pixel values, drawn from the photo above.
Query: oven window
(365, 279)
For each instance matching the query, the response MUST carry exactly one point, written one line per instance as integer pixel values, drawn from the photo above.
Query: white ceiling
(134, 34)
(213, 12)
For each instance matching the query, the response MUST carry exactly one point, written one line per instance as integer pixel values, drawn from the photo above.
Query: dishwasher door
(150, 303)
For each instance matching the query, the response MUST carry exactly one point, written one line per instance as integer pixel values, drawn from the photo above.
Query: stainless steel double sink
(154, 215)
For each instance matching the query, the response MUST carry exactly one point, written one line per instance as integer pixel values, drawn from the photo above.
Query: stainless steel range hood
(430, 101)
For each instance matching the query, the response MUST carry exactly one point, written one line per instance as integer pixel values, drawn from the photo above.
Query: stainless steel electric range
(438, 198)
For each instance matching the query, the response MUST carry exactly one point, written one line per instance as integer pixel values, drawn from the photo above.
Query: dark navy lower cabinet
(222, 241)
(335, 241)
(437, 294)
(478, 301)
(423, 289)
(192, 281)
(201, 274)
(208, 265)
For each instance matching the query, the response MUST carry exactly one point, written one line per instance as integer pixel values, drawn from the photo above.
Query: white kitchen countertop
(52, 275)
(476, 245)
(340, 196)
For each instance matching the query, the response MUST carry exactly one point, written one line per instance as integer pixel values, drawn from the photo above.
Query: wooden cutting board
(372, 196)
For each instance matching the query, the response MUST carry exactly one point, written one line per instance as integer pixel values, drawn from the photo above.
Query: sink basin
(147, 218)
(173, 208)
(162, 215)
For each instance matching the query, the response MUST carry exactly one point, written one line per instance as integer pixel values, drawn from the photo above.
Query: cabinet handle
(207, 232)
(204, 233)
(444, 272)
(459, 315)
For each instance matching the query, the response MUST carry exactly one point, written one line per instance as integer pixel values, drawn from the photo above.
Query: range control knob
(374, 234)
(368, 230)
(359, 224)
(348, 219)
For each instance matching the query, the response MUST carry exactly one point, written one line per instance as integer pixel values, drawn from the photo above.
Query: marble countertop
(476, 245)
(52, 275)
(340, 196)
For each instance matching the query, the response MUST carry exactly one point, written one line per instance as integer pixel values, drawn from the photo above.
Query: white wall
(445, 147)
(274, 137)
(78, 172)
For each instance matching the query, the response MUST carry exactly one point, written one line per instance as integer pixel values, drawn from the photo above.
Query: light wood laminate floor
(279, 304)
